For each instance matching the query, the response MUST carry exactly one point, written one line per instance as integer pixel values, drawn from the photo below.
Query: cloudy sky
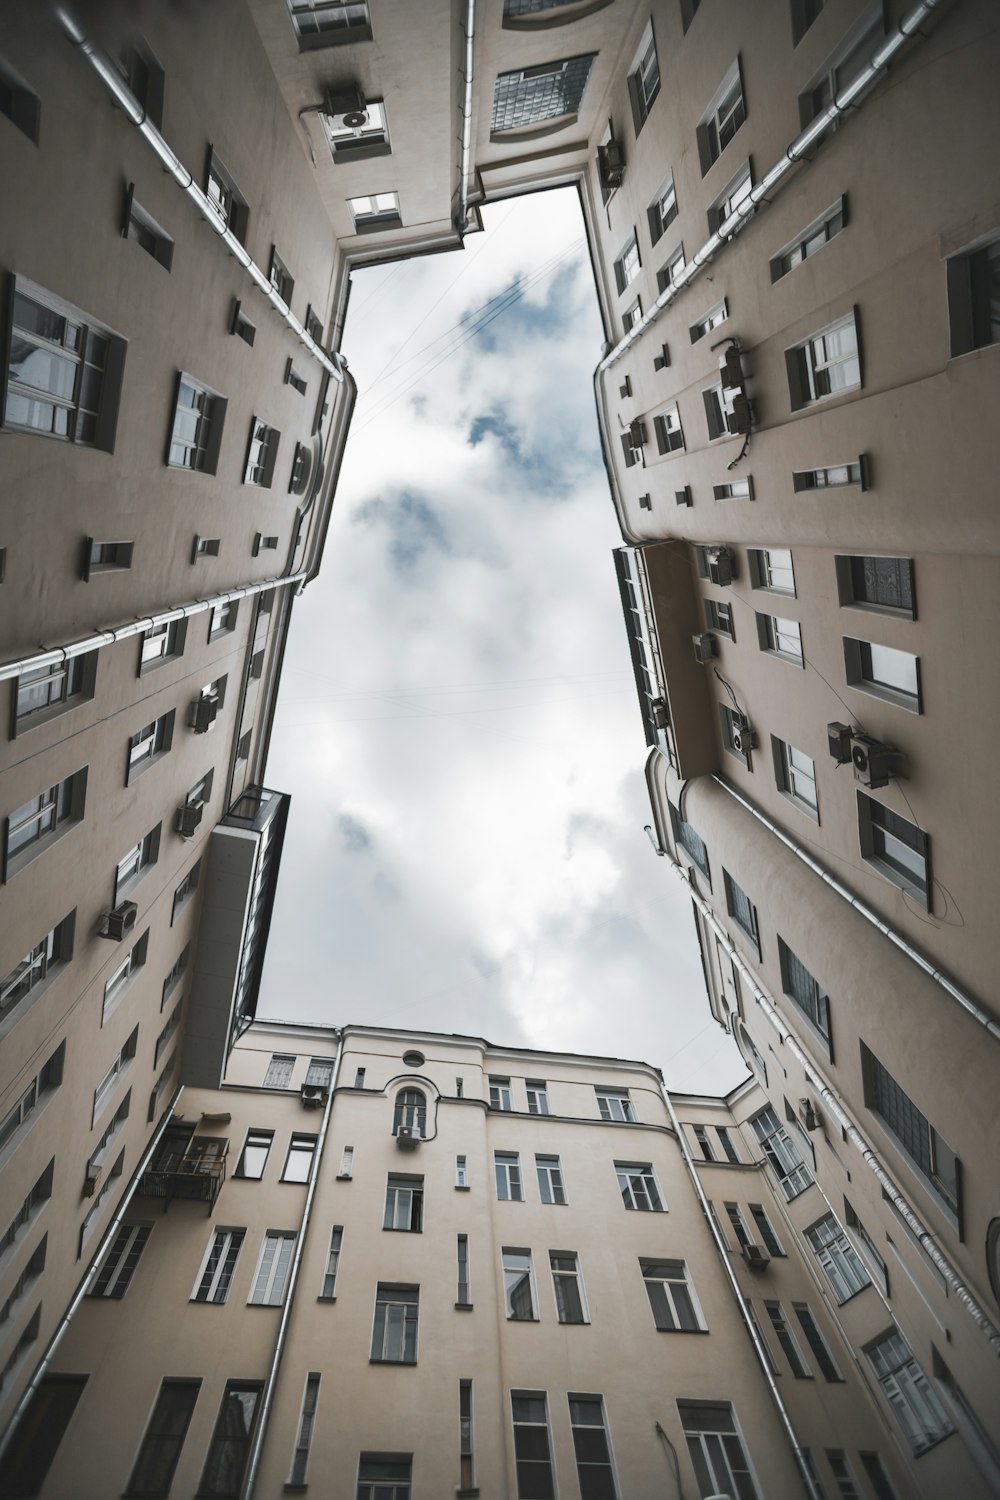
(458, 723)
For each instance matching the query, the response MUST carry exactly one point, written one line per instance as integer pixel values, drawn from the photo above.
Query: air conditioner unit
(612, 164)
(661, 360)
(739, 415)
(188, 818)
(658, 708)
(756, 1257)
(705, 646)
(721, 569)
(625, 389)
(683, 497)
(345, 108)
(407, 1138)
(204, 712)
(874, 763)
(839, 738)
(731, 369)
(809, 1117)
(118, 923)
(93, 1176)
(744, 738)
(314, 1095)
(637, 433)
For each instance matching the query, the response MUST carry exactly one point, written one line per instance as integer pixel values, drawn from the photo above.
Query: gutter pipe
(462, 219)
(839, 1112)
(800, 146)
(62, 1328)
(171, 162)
(260, 1432)
(812, 1488)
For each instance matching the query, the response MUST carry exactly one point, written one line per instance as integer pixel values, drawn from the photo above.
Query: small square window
(377, 211)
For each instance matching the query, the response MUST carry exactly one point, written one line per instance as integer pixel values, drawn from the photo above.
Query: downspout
(970, 1006)
(468, 74)
(839, 1111)
(62, 1327)
(756, 1338)
(172, 163)
(604, 435)
(138, 626)
(260, 1432)
(800, 146)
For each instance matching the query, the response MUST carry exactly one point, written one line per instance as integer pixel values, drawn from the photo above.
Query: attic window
(413, 1059)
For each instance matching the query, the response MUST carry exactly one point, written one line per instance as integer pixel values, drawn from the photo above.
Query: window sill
(803, 807)
(683, 1331)
(462, 1187)
(406, 1364)
(321, 1298)
(464, 1306)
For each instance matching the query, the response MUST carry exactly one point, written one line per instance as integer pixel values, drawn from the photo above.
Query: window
(669, 434)
(33, 1268)
(223, 619)
(843, 67)
(734, 489)
(727, 1143)
(163, 1439)
(662, 212)
(329, 1292)
(732, 197)
(307, 1420)
(148, 234)
(45, 692)
(394, 1335)
(638, 1187)
(701, 1136)
(132, 866)
(550, 1183)
(690, 841)
(196, 433)
(507, 1168)
(715, 1446)
(592, 1447)
(720, 617)
(838, 1258)
(36, 1439)
(376, 211)
(107, 1084)
(742, 911)
(826, 364)
(795, 776)
(327, 23)
(29, 1209)
(280, 277)
(736, 1219)
(672, 1299)
(799, 985)
(346, 1162)
(500, 1094)
(167, 1035)
(149, 744)
(44, 1083)
(298, 1162)
(532, 1445)
(271, 1280)
(241, 325)
(915, 1404)
(404, 1203)
(722, 119)
(123, 975)
(615, 1104)
(884, 672)
(771, 568)
(35, 826)
(314, 324)
(913, 1133)
(253, 1157)
(627, 265)
(786, 1339)
(669, 272)
(462, 1255)
(216, 1274)
(264, 543)
(974, 297)
(780, 637)
(37, 968)
(715, 415)
(548, 91)
(64, 372)
(465, 1448)
(567, 1284)
(817, 1343)
(781, 1153)
(301, 466)
(384, 1476)
(632, 445)
(631, 316)
(897, 849)
(410, 1112)
(261, 454)
(809, 240)
(836, 476)
(174, 977)
(881, 584)
(519, 1285)
(847, 1485)
(230, 1448)
(715, 315)
(538, 1096)
(184, 892)
(226, 198)
(19, 102)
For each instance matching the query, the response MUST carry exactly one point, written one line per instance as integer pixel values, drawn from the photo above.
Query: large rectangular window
(253, 1157)
(828, 363)
(216, 1274)
(394, 1334)
(298, 1162)
(153, 1470)
(896, 848)
(64, 371)
(567, 1284)
(550, 1183)
(545, 91)
(37, 1437)
(29, 976)
(226, 198)
(800, 986)
(781, 1153)
(149, 744)
(785, 1337)
(538, 1096)
(45, 692)
(39, 822)
(915, 1404)
(226, 1463)
(532, 1445)
(722, 119)
(121, 1260)
(672, 1298)
(974, 297)
(638, 1186)
(507, 1168)
(715, 1447)
(884, 672)
(883, 585)
(384, 1476)
(838, 1258)
(781, 637)
(273, 1269)
(519, 1285)
(196, 433)
(500, 1094)
(913, 1133)
(816, 1341)
(307, 1421)
(592, 1447)
(404, 1203)
(742, 910)
(644, 79)
(795, 776)
(616, 1105)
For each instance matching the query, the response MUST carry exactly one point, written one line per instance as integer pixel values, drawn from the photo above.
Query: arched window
(411, 1111)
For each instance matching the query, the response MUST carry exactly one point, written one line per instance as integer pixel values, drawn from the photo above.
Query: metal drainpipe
(463, 181)
(970, 1006)
(260, 1432)
(134, 111)
(63, 1325)
(139, 625)
(812, 1489)
(839, 1111)
(604, 434)
(803, 143)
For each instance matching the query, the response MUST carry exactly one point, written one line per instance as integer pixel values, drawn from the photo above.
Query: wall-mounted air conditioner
(756, 1257)
(407, 1138)
(188, 818)
(705, 646)
(744, 737)
(809, 1117)
(721, 565)
(874, 763)
(345, 108)
(118, 924)
(314, 1095)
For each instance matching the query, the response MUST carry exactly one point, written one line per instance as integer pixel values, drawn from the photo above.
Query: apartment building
(797, 262)
(387, 1263)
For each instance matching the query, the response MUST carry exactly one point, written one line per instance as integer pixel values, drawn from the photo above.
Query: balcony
(186, 1166)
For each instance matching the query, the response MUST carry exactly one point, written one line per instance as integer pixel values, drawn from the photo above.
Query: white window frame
(404, 1203)
(375, 211)
(517, 1262)
(781, 637)
(500, 1094)
(782, 1155)
(507, 1171)
(628, 264)
(773, 569)
(401, 1316)
(639, 1188)
(229, 1239)
(561, 1274)
(840, 1262)
(644, 79)
(662, 212)
(615, 1105)
(667, 1275)
(795, 777)
(333, 1254)
(825, 365)
(735, 193)
(727, 106)
(274, 1266)
(914, 1402)
(84, 348)
(196, 430)
(724, 1479)
(551, 1188)
(538, 1096)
